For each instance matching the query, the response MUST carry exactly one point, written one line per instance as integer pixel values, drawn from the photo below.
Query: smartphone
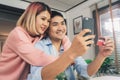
(88, 23)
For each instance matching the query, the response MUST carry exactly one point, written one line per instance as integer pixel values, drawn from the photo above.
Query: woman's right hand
(80, 43)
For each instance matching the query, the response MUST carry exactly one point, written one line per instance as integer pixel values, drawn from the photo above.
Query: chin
(42, 32)
(61, 37)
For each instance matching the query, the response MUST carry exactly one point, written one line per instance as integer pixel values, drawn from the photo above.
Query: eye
(63, 23)
(54, 24)
(43, 19)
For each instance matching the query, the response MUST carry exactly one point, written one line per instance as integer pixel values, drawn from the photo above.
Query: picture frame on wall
(77, 24)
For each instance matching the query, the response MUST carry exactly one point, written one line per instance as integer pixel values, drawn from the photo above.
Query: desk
(106, 78)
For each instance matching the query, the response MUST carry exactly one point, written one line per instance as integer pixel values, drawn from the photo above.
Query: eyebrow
(44, 17)
(58, 22)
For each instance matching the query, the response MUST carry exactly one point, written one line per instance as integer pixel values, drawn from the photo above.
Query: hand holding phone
(88, 23)
(89, 33)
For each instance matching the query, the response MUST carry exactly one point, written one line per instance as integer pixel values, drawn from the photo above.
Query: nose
(60, 27)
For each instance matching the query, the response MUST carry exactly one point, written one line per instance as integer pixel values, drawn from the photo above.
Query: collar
(49, 43)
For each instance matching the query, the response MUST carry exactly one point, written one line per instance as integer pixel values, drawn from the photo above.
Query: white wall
(85, 11)
(15, 3)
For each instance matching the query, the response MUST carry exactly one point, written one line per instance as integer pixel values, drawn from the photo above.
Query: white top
(106, 78)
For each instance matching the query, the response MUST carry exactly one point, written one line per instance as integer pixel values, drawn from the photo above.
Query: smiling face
(57, 29)
(42, 22)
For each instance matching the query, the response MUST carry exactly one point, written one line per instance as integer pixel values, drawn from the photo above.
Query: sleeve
(21, 45)
(81, 67)
(66, 43)
(35, 73)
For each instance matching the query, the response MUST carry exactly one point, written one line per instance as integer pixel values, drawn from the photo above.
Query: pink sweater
(18, 52)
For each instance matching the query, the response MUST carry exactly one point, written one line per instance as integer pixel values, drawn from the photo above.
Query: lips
(43, 29)
(61, 33)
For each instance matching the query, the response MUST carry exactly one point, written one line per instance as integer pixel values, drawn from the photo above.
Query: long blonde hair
(28, 18)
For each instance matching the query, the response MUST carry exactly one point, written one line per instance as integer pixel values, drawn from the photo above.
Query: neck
(57, 44)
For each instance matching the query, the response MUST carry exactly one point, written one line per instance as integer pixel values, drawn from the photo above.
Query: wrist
(71, 54)
(101, 55)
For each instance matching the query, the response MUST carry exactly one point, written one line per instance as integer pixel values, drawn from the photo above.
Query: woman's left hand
(107, 47)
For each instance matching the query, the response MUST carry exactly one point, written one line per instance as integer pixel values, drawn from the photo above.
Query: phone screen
(88, 23)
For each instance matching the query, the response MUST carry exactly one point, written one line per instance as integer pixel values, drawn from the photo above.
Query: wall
(15, 3)
(101, 4)
(5, 27)
(85, 11)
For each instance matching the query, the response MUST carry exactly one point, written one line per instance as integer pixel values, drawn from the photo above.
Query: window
(107, 29)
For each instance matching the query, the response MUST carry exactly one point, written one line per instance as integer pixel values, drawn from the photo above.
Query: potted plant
(61, 76)
(105, 67)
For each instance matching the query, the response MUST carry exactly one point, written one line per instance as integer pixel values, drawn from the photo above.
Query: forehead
(57, 19)
(45, 14)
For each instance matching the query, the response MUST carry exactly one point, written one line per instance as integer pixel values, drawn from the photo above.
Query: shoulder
(43, 42)
(18, 31)
(18, 34)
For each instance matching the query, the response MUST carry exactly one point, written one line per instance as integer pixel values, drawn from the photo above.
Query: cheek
(53, 29)
(48, 24)
(37, 26)
(37, 20)
(37, 23)
(65, 28)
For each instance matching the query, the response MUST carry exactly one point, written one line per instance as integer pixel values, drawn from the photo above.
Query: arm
(78, 48)
(57, 66)
(105, 51)
(95, 65)
(35, 71)
(21, 44)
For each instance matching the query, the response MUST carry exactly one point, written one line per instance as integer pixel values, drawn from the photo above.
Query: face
(57, 29)
(42, 22)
